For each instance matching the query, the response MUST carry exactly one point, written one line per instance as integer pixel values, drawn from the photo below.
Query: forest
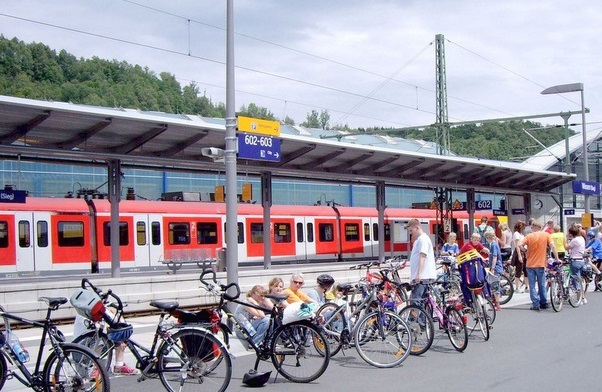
(38, 72)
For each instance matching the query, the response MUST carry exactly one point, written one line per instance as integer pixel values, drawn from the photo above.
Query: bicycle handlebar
(103, 296)
(224, 289)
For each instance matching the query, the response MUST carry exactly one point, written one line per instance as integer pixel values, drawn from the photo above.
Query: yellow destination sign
(254, 125)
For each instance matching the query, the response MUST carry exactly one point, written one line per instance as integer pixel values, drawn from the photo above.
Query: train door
(371, 237)
(148, 247)
(304, 241)
(24, 246)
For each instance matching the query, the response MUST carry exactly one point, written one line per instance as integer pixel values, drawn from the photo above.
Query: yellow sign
(219, 193)
(247, 192)
(587, 220)
(254, 125)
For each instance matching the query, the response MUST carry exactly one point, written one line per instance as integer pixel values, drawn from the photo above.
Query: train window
(71, 234)
(282, 233)
(352, 232)
(366, 231)
(3, 234)
(299, 232)
(241, 233)
(156, 233)
(326, 232)
(24, 234)
(387, 232)
(179, 233)
(375, 231)
(257, 233)
(310, 232)
(123, 234)
(42, 234)
(207, 232)
(141, 233)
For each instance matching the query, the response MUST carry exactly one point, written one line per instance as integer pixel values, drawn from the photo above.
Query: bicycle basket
(120, 332)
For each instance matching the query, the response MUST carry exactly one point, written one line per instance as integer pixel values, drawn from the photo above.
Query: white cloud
(332, 54)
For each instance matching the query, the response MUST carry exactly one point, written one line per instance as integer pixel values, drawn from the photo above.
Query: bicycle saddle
(170, 306)
(54, 302)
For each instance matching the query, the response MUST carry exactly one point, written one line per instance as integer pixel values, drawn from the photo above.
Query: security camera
(213, 153)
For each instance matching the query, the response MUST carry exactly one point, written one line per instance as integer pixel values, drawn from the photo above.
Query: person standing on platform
(482, 229)
(559, 240)
(518, 258)
(450, 248)
(505, 241)
(537, 244)
(422, 261)
(549, 227)
(495, 266)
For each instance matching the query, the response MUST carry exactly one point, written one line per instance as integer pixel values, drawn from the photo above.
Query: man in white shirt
(422, 261)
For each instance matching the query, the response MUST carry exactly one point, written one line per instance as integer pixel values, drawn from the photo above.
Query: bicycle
(562, 285)
(298, 350)
(380, 336)
(447, 313)
(181, 356)
(69, 366)
(387, 278)
(482, 312)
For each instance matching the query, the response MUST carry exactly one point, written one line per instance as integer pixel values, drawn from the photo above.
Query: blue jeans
(537, 293)
(417, 297)
(576, 267)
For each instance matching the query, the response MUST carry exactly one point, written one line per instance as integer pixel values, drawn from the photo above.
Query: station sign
(483, 205)
(569, 211)
(500, 212)
(255, 125)
(258, 147)
(586, 187)
(518, 211)
(12, 196)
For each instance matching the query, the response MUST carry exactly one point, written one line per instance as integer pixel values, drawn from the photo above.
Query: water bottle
(17, 347)
(248, 326)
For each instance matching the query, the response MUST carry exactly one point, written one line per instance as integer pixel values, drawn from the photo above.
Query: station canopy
(33, 130)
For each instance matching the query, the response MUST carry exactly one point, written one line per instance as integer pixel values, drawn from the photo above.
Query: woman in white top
(518, 258)
(576, 249)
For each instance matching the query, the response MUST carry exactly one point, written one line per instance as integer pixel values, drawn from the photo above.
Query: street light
(569, 88)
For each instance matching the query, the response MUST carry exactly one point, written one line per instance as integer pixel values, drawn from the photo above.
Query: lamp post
(569, 88)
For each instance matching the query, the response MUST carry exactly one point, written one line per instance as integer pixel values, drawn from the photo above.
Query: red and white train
(46, 235)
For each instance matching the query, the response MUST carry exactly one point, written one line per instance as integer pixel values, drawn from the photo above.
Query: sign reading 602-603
(258, 147)
(257, 140)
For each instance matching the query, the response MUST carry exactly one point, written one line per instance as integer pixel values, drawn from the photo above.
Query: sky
(368, 63)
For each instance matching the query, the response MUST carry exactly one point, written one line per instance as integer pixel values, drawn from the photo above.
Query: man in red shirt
(550, 227)
(537, 247)
(475, 243)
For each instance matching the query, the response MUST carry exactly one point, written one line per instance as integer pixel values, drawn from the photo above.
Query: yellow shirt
(559, 241)
(299, 296)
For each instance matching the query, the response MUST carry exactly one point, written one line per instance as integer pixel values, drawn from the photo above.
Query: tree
(255, 111)
(312, 120)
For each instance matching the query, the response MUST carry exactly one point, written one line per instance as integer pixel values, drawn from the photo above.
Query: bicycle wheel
(3, 367)
(490, 312)
(383, 339)
(193, 357)
(482, 317)
(574, 293)
(556, 297)
(598, 282)
(332, 320)
(456, 329)
(421, 328)
(100, 344)
(75, 369)
(300, 352)
(506, 289)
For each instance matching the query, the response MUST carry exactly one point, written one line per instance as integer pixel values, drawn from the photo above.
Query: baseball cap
(412, 222)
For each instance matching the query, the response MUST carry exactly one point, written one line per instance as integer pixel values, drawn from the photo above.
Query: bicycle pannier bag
(473, 273)
(199, 347)
(88, 304)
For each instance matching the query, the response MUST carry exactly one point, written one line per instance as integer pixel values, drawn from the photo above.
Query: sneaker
(498, 307)
(583, 301)
(534, 308)
(125, 369)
